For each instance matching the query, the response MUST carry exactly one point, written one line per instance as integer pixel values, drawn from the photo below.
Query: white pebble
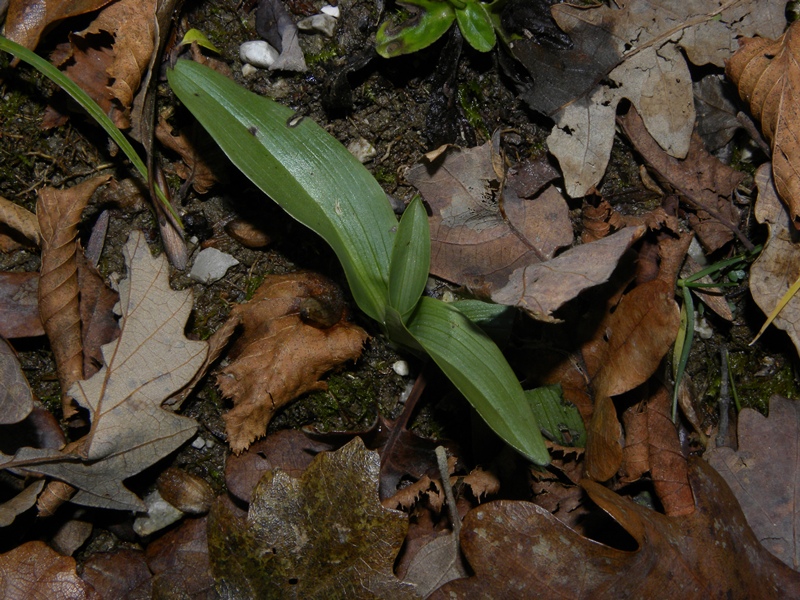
(330, 10)
(248, 69)
(160, 514)
(198, 443)
(401, 368)
(258, 53)
(362, 150)
(211, 265)
(324, 24)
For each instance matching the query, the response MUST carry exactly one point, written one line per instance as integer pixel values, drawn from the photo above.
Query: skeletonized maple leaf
(150, 361)
(294, 332)
(767, 73)
(763, 474)
(645, 64)
(324, 535)
(519, 550)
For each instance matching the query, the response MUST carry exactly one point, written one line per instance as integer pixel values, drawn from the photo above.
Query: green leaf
(476, 25)
(559, 418)
(495, 319)
(428, 21)
(474, 363)
(411, 258)
(302, 168)
(90, 106)
(198, 37)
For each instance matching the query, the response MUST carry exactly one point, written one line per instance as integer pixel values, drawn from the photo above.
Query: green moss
(385, 176)
(470, 98)
(326, 54)
(755, 384)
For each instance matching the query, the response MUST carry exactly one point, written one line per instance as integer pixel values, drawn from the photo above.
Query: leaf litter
(500, 228)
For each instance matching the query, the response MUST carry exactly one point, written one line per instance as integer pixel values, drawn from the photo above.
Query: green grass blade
(474, 363)
(89, 105)
(411, 258)
(302, 168)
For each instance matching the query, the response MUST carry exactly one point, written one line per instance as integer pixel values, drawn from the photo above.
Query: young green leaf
(429, 21)
(302, 168)
(411, 258)
(474, 363)
(476, 25)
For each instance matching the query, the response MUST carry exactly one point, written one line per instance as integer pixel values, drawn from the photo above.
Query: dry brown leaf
(702, 179)
(19, 305)
(16, 398)
(59, 212)
(518, 550)
(26, 20)
(196, 169)
(764, 474)
(767, 73)
(35, 572)
(99, 324)
(26, 499)
(294, 331)
(20, 220)
(778, 265)
(122, 573)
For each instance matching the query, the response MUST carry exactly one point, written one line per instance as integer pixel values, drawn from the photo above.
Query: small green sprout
(428, 20)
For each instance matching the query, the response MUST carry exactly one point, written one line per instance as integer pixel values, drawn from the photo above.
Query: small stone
(247, 234)
(330, 10)
(324, 24)
(198, 443)
(248, 70)
(362, 150)
(160, 514)
(401, 368)
(211, 265)
(258, 53)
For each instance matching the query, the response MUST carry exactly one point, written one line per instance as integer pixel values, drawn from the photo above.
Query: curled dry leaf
(325, 535)
(294, 331)
(763, 475)
(519, 550)
(778, 265)
(20, 220)
(59, 212)
(34, 571)
(767, 73)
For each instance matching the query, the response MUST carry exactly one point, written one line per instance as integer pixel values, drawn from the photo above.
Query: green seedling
(318, 182)
(90, 106)
(683, 343)
(428, 20)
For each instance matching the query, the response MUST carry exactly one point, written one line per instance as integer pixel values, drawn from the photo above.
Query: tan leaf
(16, 398)
(767, 73)
(21, 220)
(19, 305)
(778, 265)
(763, 475)
(294, 332)
(59, 212)
(35, 572)
(27, 19)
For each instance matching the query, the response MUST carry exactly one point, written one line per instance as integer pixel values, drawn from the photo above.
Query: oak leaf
(324, 535)
(764, 475)
(294, 331)
(645, 64)
(767, 73)
(519, 550)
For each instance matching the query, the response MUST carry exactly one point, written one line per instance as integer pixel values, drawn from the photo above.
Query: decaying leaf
(778, 265)
(19, 305)
(59, 212)
(767, 73)
(632, 50)
(16, 398)
(27, 19)
(697, 556)
(20, 220)
(122, 573)
(192, 151)
(763, 474)
(150, 361)
(34, 571)
(294, 331)
(99, 324)
(26, 499)
(325, 535)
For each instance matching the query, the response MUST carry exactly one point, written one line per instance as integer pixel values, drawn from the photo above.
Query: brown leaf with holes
(26, 20)
(764, 474)
(294, 331)
(652, 444)
(35, 572)
(693, 557)
(59, 213)
(767, 73)
(19, 305)
(701, 179)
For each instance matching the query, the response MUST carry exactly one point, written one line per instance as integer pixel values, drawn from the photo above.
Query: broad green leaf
(495, 319)
(302, 168)
(559, 418)
(428, 21)
(476, 25)
(90, 106)
(474, 363)
(411, 258)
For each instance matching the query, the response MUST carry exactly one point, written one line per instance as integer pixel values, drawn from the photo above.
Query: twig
(724, 398)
